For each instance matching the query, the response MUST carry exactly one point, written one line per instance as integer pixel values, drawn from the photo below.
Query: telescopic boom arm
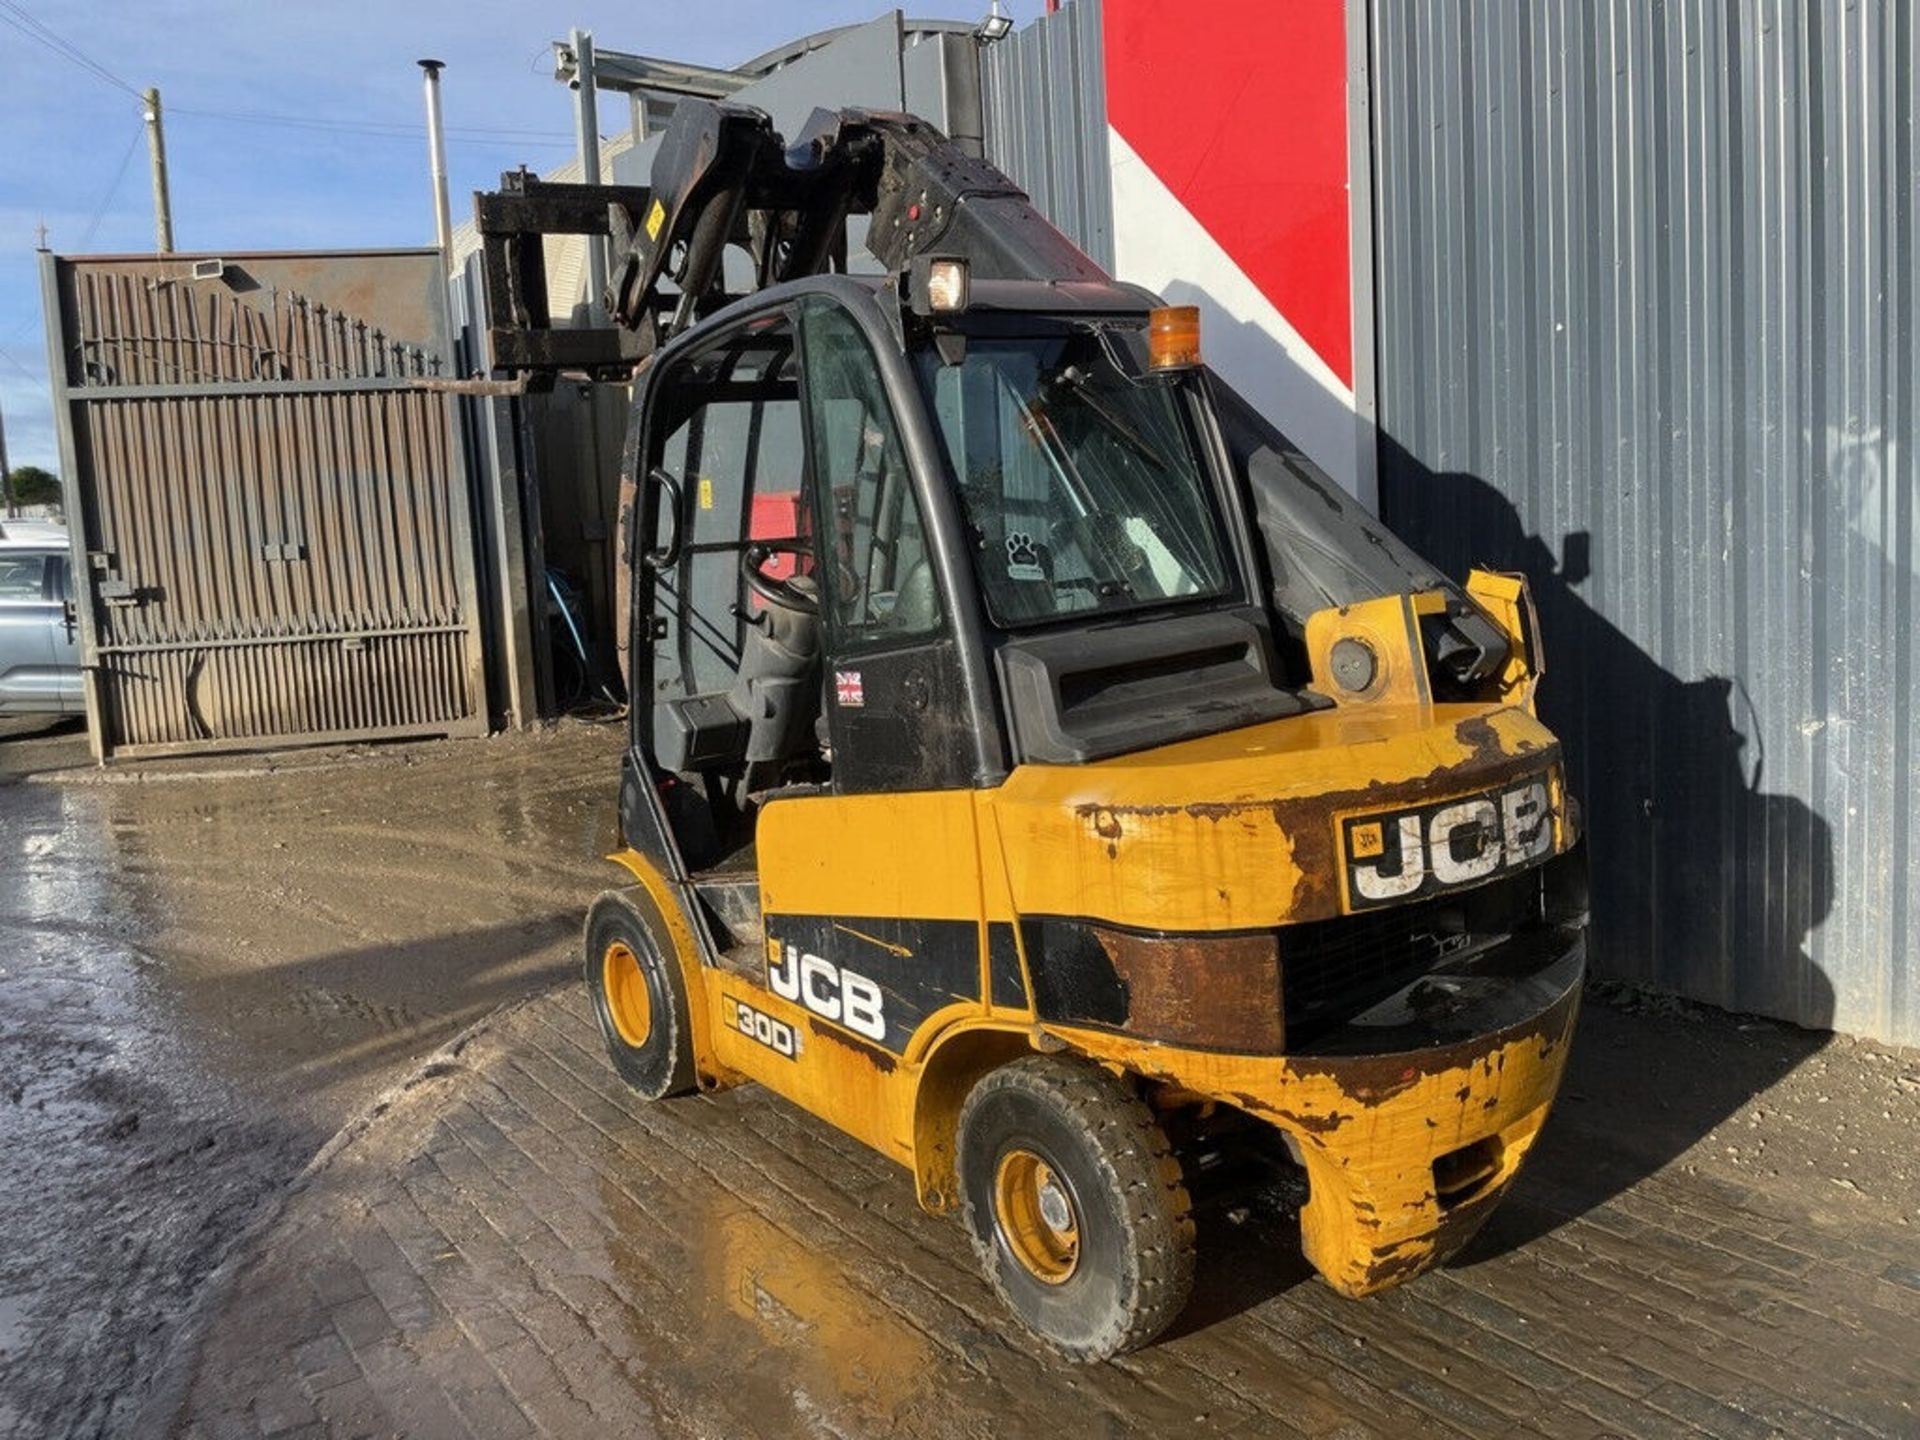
(722, 178)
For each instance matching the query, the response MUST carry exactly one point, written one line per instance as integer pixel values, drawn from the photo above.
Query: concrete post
(586, 114)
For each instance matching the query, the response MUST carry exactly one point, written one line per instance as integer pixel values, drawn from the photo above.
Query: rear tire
(1076, 1206)
(639, 1000)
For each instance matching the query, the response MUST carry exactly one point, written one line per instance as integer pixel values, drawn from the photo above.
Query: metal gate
(268, 516)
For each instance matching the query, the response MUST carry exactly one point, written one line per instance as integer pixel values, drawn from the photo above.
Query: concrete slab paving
(515, 1245)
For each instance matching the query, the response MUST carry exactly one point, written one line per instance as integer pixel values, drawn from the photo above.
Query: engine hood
(1298, 819)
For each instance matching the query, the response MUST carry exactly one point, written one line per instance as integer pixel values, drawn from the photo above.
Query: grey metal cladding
(1046, 121)
(1646, 327)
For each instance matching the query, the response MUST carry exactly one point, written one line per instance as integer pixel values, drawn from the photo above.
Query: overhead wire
(24, 20)
(17, 16)
(113, 189)
(39, 380)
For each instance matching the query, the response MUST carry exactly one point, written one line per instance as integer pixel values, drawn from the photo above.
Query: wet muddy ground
(207, 969)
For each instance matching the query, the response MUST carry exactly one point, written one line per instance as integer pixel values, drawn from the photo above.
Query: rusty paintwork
(1221, 992)
(1369, 1127)
(1185, 861)
(879, 1059)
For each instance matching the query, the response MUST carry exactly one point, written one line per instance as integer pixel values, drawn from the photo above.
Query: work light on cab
(947, 284)
(937, 286)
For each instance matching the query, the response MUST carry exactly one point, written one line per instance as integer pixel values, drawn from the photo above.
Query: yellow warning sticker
(1365, 841)
(656, 217)
(706, 493)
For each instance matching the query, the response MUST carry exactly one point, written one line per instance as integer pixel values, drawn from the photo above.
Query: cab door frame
(645, 824)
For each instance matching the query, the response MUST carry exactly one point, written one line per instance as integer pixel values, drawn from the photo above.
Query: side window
(878, 573)
(22, 576)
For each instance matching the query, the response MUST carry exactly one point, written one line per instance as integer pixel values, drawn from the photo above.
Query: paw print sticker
(1023, 557)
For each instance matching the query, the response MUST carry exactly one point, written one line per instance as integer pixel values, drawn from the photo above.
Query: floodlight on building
(996, 26)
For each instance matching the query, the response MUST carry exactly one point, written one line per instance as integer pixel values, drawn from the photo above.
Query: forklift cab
(788, 560)
(866, 536)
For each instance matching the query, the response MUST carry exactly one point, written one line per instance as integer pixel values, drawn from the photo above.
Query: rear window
(22, 577)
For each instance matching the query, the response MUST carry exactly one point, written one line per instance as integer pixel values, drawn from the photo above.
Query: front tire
(1076, 1206)
(639, 1000)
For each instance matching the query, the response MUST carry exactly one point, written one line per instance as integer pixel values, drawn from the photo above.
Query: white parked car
(39, 630)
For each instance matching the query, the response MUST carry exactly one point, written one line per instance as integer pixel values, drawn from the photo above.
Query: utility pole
(157, 149)
(437, 159)
(6, 475)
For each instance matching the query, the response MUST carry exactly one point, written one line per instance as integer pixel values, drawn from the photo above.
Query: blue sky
(73, 152)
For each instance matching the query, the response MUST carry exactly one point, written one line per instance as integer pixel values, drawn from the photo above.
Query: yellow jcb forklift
(1038, 769)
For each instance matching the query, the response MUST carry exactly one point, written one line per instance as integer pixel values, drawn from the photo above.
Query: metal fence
(1045, 99)
(1646, 330)
(270, 528)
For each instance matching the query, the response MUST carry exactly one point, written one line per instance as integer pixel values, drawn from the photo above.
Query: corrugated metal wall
(272, 534)
(1045, 97)
(1646, 326)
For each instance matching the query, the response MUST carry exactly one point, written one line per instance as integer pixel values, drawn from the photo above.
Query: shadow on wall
(1703, 881)
(1698, 871)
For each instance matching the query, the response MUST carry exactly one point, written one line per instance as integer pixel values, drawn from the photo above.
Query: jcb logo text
(1401, 854)
(826, 989)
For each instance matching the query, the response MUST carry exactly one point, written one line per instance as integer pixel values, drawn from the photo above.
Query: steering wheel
(797, 591)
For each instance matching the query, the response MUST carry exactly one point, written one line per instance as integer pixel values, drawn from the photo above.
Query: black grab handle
(667, 555)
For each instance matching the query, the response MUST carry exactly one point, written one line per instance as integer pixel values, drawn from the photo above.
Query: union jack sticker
(847, 688)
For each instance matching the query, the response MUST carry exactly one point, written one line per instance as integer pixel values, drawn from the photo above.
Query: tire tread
(1143, 1171)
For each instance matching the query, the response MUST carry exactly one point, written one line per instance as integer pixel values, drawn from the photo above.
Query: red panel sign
(1240, 108)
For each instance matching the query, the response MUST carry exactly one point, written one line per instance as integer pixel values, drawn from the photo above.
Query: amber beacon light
(1173, 337)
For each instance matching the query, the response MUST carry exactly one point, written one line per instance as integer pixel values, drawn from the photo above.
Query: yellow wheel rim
(628, 999)
(1034, 1211)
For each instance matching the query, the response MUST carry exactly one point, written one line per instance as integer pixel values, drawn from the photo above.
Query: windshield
(1081, 483)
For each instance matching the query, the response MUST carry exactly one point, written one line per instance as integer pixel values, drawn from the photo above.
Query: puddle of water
(200, 981)
(760, 1322)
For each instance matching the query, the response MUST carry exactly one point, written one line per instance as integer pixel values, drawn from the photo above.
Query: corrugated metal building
(1646, 320)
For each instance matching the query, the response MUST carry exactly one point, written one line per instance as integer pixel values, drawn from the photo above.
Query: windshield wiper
(1083, 386)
